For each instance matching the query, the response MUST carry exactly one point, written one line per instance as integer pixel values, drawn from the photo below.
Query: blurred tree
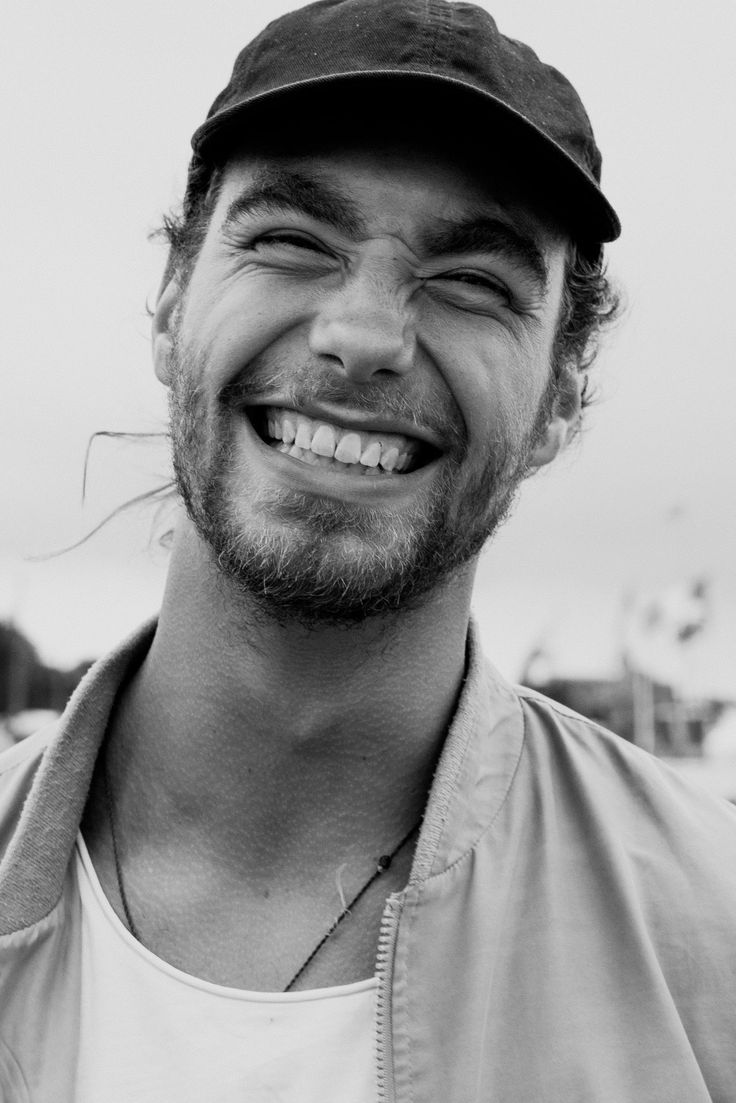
(26, 682)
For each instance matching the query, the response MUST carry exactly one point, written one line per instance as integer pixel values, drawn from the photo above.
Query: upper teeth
(390, 451)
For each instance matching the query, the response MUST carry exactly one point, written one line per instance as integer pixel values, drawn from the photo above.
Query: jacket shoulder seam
(525, 694)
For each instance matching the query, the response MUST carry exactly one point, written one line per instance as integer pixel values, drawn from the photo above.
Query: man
(298, 841)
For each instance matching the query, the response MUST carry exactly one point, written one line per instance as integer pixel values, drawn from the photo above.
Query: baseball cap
(488, 83)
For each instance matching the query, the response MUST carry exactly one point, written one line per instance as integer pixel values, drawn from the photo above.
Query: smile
(322, 443)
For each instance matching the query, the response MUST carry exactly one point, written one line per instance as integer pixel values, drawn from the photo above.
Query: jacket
(567, 934)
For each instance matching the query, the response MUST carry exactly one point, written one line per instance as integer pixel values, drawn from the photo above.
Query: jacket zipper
(384, 1019)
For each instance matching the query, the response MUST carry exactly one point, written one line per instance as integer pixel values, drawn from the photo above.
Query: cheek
(496, 378)
(227, 327)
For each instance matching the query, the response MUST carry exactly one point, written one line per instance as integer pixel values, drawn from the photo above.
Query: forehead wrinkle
(277, 188)
(484, 234)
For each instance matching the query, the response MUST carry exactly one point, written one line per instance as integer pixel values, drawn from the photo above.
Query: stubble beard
(322, 562)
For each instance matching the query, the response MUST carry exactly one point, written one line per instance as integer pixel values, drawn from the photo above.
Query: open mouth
(326, 444)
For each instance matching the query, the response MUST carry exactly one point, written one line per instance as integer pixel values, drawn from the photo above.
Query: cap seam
(435, 37)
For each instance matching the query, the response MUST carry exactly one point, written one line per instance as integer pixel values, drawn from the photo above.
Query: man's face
(358, 369)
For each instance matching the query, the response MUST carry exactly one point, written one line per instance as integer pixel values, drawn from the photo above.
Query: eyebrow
(276, 189)
(483, 234)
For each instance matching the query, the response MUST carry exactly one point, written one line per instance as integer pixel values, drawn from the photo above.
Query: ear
(163, 317)
(563, 420)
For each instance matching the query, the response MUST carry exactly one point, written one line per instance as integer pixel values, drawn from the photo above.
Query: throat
(257, 745)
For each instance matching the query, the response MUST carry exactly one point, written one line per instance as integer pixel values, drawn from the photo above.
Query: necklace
(384, 863)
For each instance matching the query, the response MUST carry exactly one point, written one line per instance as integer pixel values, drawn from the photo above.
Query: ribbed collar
(474, 774)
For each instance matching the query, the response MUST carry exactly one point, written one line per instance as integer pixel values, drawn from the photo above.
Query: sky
(98, 105)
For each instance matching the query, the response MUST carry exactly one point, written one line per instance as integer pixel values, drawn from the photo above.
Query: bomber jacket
(567, 933)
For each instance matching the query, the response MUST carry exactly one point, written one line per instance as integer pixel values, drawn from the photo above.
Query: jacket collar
(34, 867)
(476, 768)
(473, 777)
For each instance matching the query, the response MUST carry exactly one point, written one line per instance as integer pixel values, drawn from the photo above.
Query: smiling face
(359, 370)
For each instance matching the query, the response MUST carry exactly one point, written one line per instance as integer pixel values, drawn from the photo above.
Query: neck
(260, 735)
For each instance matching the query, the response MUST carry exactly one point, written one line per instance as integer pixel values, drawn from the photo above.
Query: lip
(331, 483)
(355, 420)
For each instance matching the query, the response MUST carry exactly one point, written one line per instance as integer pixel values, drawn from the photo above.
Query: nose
(365, 328)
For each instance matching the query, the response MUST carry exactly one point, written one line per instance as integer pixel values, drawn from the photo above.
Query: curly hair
(590, 301)
(590, 304)
(184, 231)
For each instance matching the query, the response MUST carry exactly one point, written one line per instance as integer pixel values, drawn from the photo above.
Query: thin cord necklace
(384, 863)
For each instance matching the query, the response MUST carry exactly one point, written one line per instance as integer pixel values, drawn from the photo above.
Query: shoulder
(631, 800)
(556, 736)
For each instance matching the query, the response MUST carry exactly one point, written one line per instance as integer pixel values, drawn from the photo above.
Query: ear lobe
(552, 443)
(162, 338)
(563, 419)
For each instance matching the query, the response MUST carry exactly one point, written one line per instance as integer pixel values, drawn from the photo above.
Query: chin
(324, 566)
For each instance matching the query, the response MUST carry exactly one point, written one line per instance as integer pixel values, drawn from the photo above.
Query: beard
(325, 562)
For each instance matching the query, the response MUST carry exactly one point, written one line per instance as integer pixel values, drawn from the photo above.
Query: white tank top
(153, 1034)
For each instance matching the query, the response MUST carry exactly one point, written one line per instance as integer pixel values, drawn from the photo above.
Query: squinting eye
(292, 240)
(477, 280)
(469, 289)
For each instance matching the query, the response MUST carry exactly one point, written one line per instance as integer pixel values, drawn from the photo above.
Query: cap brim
(590, 216)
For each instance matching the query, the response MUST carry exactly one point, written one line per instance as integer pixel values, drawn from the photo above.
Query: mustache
(311, 384)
